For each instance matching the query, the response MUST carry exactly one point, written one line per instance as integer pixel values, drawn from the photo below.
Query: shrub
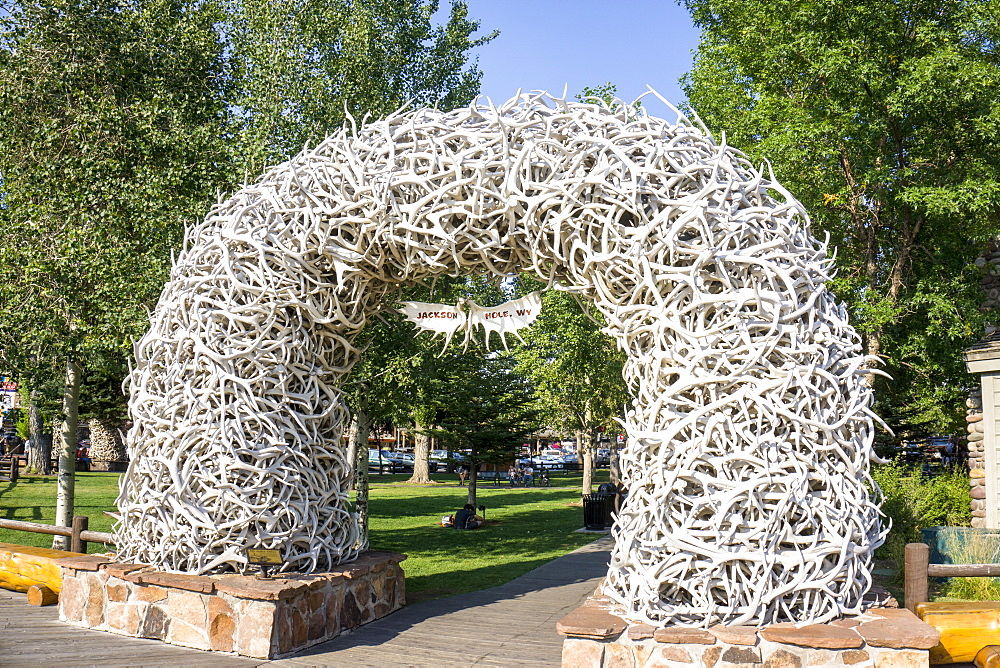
(913, 502)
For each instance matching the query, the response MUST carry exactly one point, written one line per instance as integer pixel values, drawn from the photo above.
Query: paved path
(509, 625)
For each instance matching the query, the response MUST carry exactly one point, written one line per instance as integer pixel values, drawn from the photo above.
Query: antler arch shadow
(751, 425)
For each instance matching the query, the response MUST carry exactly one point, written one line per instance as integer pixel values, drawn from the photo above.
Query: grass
(525, 527)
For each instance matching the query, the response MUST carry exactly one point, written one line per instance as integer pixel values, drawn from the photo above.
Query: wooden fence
(918, 569)
(78, 534)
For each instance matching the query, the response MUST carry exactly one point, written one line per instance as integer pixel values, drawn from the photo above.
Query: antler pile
(751, 427)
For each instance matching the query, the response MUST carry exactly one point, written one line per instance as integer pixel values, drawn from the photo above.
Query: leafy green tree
(883, 119)
(489, 411)
(113, 116)
(575, 371)
(299, 65)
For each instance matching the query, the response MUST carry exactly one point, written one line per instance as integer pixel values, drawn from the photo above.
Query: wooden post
(915, 561)
(80, 524)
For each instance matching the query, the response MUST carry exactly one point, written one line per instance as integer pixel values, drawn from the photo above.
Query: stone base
(235, 614)
(883, 637)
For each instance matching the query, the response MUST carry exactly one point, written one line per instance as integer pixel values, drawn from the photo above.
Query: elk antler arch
(751, 426)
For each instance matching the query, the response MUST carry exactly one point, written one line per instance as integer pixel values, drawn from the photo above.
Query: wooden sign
(446, 319)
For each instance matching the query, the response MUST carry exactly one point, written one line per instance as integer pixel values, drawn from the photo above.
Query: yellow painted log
(39, 595)
(22, 566)
(966, 628)
(988, 657)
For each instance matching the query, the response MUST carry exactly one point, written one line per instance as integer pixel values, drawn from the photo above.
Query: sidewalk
(510, 625)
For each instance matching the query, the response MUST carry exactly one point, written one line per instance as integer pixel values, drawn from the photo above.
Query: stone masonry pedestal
(883, 637)
(236, 614)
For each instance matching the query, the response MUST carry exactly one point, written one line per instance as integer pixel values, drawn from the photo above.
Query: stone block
(735, 635)
(644, 650)
(334, 599)
(317, 626)
(121, 570)
(135, 613)
(741, 655)
(188, 607)
(221, 624)
(93, 612)
(978, 492)
(350, 613)
(255, 629)
(670, 653)
(977, 473)
(196, 583)
(149, 593)
(852, 657)
(619, 656)
(187, 635)
(113, 615)
(683, 636)
(84, 562)
(820, 636)
(249, 587)
(155, 624)
(782, 658)
(299, 629)
(582, 653)
(117, 592)
(640, 631)
(901, 658)
(710, 656)
(71, 600)
(589, 621)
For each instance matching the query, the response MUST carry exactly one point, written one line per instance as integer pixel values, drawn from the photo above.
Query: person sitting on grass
(466, 518)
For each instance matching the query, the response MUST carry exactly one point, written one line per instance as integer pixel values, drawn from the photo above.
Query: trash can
(597, 509)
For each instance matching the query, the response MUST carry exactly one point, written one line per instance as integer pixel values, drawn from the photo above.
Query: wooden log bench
(22, 567)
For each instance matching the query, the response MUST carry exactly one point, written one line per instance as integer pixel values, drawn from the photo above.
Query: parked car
(409, 458)
(548, 461)
(603, 457)
(388, 462)
(442, 456)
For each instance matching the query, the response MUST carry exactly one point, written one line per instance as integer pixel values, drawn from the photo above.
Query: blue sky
(549, 44)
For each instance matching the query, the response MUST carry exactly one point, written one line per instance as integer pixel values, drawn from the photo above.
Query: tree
(113, 117)
(576, 373)
(882, 118)
(299, 66)
(489, 412)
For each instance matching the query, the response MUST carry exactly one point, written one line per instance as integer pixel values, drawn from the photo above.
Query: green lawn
(525, 527)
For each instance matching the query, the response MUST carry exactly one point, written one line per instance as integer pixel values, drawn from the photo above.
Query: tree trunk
(614, 461)
(473, 471)
(352, 452)
(421, 458)
(40, 454)
(359, 444)
(67, 452)
(586, 455)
